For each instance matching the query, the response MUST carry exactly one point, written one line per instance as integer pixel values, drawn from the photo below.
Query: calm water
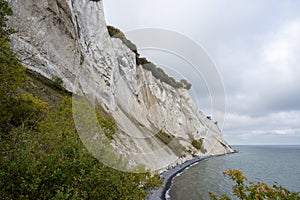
(259, 163)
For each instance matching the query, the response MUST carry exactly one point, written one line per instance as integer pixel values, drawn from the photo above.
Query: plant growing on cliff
(108, 125)
(27, 110)
(172, 142)
(161, 75)
(247, 190)
(12, 74)
(5, 11)
(116, 33)
(156, 71)
(164, 137)
(58, 83)
(50, 162)
(197, 144)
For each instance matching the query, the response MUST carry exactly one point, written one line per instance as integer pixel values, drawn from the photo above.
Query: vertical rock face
(69, 39)
(65, 39)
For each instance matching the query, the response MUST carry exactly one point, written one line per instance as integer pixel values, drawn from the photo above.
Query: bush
(185, 84)
(164, 137)
(12, 74)
(108, 125)
(27, 110)
(171, 142)
(161, 75)
(50, 162)
(58, 83)
(248, 190)
(116, 33)
(5, 11)
(197, 144)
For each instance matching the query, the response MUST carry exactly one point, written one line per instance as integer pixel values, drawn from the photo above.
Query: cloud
(275, 128)
(263, 89)
(267, 79)
(268, 123)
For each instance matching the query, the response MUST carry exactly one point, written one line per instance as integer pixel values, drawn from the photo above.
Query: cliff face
(69, 39)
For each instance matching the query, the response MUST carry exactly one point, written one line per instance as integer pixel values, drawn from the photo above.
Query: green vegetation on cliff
(172, 142)
(116, 33)
(156, 71)
(197, 143)
(42, 156)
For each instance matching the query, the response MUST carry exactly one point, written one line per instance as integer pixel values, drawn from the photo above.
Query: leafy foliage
(108, 125)
(26, 109)
(5, 11)
(197, 144)
(58, 83)
(116, 33)
(159, 73)
(164, 137)
(186, 84)
(51, 162)
(12, 74)
(247, 190)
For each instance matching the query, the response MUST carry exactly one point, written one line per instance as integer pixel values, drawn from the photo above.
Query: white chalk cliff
(69, 39)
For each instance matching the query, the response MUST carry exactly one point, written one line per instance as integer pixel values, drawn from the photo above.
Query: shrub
(116, 33)
(244, 189)
(164, 137)
(171, 142)
(186, 84)
(108, 125)
(12, 73)
(5, 11)
(50, 162)
(197, 144)
(159, 73)
(27, 110)
(58, 83)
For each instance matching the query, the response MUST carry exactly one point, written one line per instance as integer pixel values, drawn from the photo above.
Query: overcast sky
(255, 45)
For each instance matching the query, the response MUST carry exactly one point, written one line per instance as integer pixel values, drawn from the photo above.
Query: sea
(258, 163)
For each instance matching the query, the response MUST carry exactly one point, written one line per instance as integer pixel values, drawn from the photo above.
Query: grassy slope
(46, 159)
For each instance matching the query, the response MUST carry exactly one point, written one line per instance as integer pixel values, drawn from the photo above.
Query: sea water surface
(258, 163)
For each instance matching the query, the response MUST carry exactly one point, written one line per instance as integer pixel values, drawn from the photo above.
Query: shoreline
(170, 174)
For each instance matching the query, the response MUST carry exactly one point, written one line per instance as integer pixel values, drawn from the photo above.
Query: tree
(247, 190)
(5, 11)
